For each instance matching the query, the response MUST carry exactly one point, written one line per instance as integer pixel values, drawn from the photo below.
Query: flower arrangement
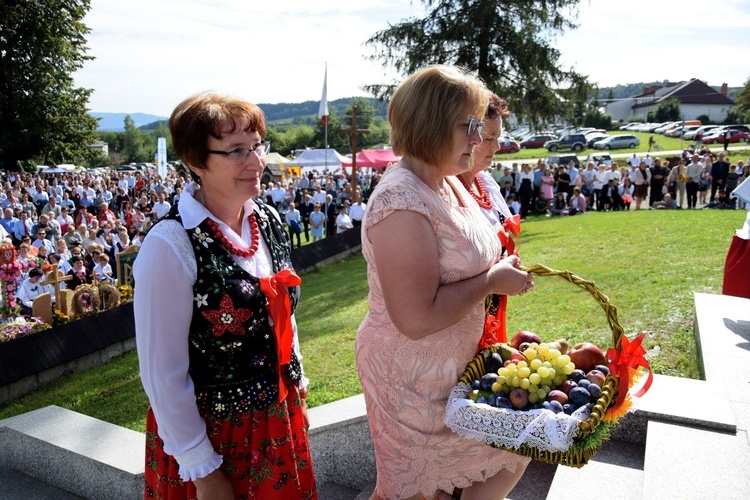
(59, 318)
(126, 293)
(21, 327)
(86, 301)
(10, 272)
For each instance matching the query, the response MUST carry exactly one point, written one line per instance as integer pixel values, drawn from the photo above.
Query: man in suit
(719, 173)
(331, 213)
(305, 209)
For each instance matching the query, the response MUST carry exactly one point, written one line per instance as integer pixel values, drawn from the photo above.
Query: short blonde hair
(425, 108)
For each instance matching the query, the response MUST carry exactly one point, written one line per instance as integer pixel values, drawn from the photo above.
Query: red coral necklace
(231, 248)
(483, 198)
(221, 238)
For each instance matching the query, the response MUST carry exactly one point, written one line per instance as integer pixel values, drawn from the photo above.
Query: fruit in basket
(596, 377)
(506, 351)
(576, 375)
(494, 362)
(502, 402)
(602, 368)
(586, 355)
(579, 397)
(524, 336)
(595, 391)
(557, 395)
(485, 383)
(555, 406)
(567, 386)
(524, 346)
(519, 398)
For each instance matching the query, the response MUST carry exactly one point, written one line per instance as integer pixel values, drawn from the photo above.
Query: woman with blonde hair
(432, 258)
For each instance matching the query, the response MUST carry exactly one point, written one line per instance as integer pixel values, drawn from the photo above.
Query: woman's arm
(163, 305)
(406, 259)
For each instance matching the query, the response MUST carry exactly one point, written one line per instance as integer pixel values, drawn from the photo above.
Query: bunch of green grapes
(543, 369)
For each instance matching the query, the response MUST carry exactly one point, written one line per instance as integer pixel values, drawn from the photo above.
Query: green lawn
(649, 263)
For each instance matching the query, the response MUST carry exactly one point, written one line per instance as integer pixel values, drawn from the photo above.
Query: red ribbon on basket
(511, 225)
(280, 310)
(630, 356)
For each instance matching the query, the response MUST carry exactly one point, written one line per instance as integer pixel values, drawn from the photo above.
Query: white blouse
(498, 202)
(165, 272)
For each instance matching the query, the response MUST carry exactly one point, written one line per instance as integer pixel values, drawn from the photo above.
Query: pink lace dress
(406, 383)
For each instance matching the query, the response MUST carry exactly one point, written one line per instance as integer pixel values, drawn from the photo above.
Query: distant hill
(115, 122)
(278, 113)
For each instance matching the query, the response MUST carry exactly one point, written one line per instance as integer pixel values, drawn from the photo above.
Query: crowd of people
(695, 179)
(79, 221)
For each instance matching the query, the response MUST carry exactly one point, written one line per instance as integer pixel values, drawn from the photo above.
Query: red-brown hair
(208, 113)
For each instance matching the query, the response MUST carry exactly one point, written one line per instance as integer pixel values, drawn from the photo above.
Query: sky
(151, 54)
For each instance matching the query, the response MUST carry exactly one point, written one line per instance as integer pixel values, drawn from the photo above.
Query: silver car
(618, 142)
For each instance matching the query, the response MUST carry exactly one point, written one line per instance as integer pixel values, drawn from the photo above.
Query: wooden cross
(53, 278)
(353, 132)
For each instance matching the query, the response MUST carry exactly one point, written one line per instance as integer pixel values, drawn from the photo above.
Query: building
(696, 99)
(100, 146)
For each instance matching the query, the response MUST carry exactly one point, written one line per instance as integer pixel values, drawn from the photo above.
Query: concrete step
(77, 453)
(535, 482)
(333, 491)
(16, 485)
(366, 492)
(618, 463)
(692, 463)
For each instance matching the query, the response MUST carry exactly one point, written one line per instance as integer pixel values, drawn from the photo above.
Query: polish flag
(323, 111)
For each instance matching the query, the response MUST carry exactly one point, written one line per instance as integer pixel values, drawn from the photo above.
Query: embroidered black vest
(232, 346)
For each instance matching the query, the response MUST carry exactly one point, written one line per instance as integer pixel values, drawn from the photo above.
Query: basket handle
(589, 286)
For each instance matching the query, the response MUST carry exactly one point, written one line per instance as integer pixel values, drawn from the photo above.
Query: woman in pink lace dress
(432, 259)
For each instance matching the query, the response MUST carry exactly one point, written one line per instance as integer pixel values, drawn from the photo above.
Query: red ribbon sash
(280, 310)
(630, 356)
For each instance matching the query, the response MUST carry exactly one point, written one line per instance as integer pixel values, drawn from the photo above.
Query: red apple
(524, 336)
(585, 355)
(567, 386)
(596, 377)
(519, 398)
(558, 396)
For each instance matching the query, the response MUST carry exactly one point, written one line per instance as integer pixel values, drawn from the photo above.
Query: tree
(134, 143)
(667, 111)
(508, 42)
(336, 140)
(743, 97)
(42, 114)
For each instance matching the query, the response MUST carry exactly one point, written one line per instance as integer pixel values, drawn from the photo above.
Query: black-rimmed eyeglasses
(240, 155)
(472, 125)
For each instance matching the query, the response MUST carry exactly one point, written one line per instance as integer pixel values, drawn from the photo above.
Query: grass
(649, 263)
(667, 144)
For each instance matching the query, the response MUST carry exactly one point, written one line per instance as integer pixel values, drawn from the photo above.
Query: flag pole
(323, 115)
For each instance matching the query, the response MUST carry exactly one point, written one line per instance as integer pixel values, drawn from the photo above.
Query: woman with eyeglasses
(432, 258)
(214, 308)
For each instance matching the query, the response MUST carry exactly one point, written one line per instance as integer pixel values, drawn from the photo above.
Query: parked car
(536, 141)
(703, 129)
(562, 160)
(598, 158)
(592, 137)
(741, 128)
(630, 126)
(507, 146)
(718, 138)
(675, 132)
(618, 141)
(576, 142)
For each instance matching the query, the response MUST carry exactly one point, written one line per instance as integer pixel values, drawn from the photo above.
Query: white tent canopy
(316, 159)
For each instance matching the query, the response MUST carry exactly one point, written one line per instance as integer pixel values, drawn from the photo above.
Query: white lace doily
(540, 429)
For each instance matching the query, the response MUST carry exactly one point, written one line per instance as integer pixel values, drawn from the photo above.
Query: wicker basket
(592, 432)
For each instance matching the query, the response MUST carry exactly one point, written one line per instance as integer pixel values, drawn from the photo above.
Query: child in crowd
(102, 270)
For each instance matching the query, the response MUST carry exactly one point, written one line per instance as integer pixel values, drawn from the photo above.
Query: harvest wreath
(544, 400)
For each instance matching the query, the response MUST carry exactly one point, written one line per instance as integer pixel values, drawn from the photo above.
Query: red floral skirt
(266, 455)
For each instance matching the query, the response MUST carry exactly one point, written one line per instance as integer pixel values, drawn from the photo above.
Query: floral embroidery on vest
(231, 343)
